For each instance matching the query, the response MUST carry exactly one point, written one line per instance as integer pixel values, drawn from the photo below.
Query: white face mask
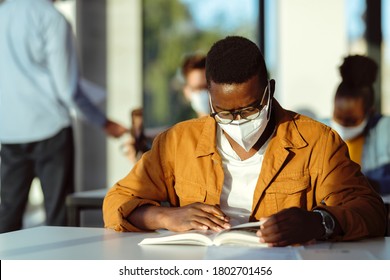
(348, 133)
(247, 133)
(200, 101)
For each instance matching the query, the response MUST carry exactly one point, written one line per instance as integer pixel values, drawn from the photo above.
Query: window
(175, 28)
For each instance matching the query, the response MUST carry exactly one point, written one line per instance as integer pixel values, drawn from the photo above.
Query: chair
(85, 200)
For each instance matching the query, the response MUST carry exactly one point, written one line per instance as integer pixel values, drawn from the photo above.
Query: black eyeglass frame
(255, 106)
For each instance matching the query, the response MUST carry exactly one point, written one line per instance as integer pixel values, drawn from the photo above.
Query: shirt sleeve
(92, 113)
(346, 193)
(149, 182)
(61, 58)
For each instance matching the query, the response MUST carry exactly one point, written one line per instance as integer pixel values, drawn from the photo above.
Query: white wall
(124, 74)
(124, 80)
(311, 46)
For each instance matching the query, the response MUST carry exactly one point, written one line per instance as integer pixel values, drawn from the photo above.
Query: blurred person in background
(365, 131)
(39, 86)
(195, 85)
(193, 70)
(137, 142)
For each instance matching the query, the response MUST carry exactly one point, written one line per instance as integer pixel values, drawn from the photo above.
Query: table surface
(75, 243)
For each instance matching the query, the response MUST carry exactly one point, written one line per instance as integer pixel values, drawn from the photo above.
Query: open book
(244, 234)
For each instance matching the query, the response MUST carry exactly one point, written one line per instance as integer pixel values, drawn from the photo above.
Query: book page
(247, 225)
(244, 234)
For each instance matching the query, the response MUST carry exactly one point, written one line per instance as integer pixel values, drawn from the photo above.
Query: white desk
(75, 243)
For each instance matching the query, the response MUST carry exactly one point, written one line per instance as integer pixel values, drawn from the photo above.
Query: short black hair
(358, 75)
(234, 60)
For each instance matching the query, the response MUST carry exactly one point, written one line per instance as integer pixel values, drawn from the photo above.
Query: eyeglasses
(248, 113)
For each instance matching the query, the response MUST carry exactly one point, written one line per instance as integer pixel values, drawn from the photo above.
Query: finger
(210, 220)
(216, 221)
(277, 224)
(198, 226)
(189, 225)
(263, 221)
(208, 215)
(273, 232)
(271, 227)
(201, 214)
(279, 238)
(222, 217)
(275, 219)
(272, 240)
(207, 223)
(215, 211)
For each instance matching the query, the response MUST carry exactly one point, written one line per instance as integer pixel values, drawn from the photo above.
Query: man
(249, 160)
(39, 85)
(195, 87)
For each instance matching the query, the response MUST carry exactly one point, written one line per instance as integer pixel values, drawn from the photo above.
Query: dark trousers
(50, 160)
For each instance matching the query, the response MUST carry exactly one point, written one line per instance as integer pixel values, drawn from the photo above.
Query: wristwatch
(327, 222)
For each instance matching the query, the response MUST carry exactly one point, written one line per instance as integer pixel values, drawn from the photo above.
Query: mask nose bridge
(236, 115)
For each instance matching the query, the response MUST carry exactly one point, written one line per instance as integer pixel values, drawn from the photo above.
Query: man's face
(195, 81)
(349, 111)
(230, 97)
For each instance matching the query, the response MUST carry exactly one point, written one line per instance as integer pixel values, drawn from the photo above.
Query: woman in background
(366, 132)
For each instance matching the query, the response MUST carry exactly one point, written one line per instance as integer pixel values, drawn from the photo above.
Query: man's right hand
(197, 216)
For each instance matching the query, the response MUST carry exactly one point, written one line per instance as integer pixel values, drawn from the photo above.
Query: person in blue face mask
(195, 94)
(365, 131)
(195, 87)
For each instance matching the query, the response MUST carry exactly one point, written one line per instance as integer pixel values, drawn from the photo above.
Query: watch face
(329, 223)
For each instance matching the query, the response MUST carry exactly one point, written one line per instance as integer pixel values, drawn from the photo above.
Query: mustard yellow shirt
(355, 148)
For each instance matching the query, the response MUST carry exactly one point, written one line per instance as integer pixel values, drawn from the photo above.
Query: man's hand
(194, 216)
(291, 226)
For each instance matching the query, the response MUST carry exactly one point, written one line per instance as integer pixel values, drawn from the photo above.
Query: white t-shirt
(240, 180)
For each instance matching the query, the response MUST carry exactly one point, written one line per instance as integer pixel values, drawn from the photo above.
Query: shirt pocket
(288, 192)
(189, 192)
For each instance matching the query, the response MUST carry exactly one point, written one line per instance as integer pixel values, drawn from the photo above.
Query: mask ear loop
(269, 103)
(269, 108)
(211, 105)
